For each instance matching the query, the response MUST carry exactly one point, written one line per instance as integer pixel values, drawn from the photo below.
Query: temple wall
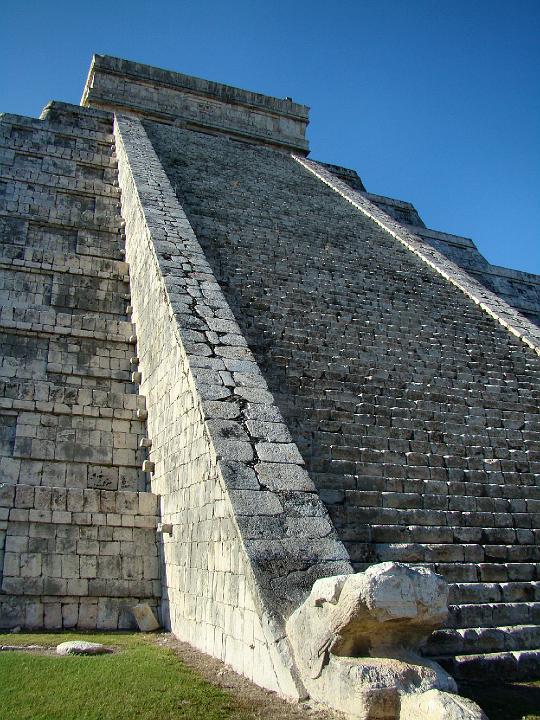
(77, 527)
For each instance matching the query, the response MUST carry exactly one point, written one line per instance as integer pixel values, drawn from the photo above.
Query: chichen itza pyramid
(229, 371)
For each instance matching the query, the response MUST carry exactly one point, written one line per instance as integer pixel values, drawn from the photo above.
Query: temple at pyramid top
(190, 102)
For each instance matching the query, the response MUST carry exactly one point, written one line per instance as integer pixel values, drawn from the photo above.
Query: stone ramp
(415, 412)
(247, 534)
(78, 543)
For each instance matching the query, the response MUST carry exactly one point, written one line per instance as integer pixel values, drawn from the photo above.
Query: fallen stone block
(145, 618)
(81, 647)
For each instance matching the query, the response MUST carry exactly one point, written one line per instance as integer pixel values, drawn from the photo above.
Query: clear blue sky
(432, 101)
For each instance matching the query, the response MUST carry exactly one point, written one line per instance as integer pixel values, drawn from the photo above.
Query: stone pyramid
(228, 371)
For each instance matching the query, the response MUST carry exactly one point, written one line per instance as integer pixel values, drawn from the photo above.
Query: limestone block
(53, 616)
(437, 705)
(145, 618)
(81, 647)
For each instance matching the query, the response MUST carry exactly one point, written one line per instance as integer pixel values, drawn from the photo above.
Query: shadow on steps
(505, 701)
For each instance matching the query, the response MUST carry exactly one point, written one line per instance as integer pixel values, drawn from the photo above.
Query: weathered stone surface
(388, 609)
(145, 618)
(356, 641)
(81, 647)
(373, 688)
(124, 86)
(283, 316)
(73, 496)
(410, 402)
(437, 705)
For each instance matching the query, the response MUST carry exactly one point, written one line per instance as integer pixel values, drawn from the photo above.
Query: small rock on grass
(81, 647)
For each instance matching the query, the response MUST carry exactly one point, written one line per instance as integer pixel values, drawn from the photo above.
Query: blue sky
(432, 101)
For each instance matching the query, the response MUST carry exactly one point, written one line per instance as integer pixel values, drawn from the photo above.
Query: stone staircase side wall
(249, 534)
(519, 289)
(488, 301)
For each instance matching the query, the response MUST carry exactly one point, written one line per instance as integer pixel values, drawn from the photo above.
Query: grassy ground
(140, 682)
(146, 680)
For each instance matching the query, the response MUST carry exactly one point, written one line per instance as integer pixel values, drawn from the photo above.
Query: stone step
(460, 562)
(84, 371)
(71, 201)
(89, 417)
(72, 438)
(28, 169)
(58, 142)
(397, 520)
(467, 573)
(403, 477)
(368, 479)
(471, 593)
(433, 493)
(61, 113)
(37, 449)
(26, 359)
(59, 146)
(493, 614)
(58, 473)
(465, 641)
(59, 207)
(451, 500)
(47, 322)
(488, 572)
(391, 524)
(519, 665)
(117, 508)
(78, 220)
(89, 130)
(49, 397)
(40, 239)
(45, 439)
(385, 376)
(9, 406)
(70, 612)
(106, 586)
(29, 259)
(57, 164)
(457, 552)
(436, 450)
(27, 288)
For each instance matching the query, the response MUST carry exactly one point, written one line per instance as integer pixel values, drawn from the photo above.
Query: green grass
(142, 681)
